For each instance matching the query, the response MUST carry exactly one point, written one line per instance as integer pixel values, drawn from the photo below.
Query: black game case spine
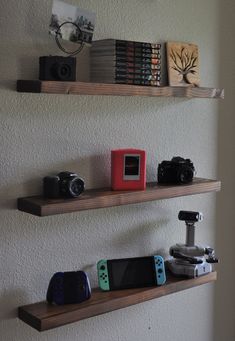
(121, 61)
(122, 43)
(126, 76)
(120, 76)
(126, 70)
(136, 44)
(138, 82)
(126, 54)
(124, 49)
(140, 66)
(124, 58)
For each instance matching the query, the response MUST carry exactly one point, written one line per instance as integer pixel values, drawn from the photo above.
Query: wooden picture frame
(182, 64)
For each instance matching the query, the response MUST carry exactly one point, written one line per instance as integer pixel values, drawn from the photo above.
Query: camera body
(177, 171)
(57, 68)
(65, 184)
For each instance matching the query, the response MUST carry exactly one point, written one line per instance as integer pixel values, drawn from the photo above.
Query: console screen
(132, 273)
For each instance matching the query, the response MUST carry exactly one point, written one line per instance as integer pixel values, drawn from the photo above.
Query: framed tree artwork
(182, 64)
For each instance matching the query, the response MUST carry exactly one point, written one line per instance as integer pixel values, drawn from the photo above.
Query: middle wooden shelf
(105, 197)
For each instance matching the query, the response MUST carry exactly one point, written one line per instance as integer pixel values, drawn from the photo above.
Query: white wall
(225, 234)
(44, 134)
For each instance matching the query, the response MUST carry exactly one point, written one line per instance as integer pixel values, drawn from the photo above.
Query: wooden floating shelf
(82, 88)
(43, 316)
(104, 197)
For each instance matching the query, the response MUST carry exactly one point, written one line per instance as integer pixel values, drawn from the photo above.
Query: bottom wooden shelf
(43, 316)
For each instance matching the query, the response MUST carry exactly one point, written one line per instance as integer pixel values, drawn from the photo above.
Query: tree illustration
(184, 63)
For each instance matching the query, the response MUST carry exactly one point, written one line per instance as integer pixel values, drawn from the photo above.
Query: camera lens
(71, 185)
(76, 187)
(185, 175)
(62, 71)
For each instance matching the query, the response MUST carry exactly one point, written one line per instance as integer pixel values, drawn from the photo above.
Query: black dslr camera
(176, 171)
(57, 68)
(65, 184)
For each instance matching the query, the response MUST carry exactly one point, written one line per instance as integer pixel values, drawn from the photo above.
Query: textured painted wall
(43, 134)
(225, 234)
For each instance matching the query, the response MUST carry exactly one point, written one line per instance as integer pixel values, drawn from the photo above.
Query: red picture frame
(128, 169)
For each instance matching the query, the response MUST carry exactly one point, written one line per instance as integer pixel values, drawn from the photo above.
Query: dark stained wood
(43, 316)
(104, 197)
(28, 86)
(82, 88)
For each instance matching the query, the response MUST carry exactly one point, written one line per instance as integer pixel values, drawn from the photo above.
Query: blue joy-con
(103, 276)
(160, 270)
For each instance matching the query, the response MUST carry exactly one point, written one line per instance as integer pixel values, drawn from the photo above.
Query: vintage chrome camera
(65, 184)
(57, 68)
(176, 171)
(190, 260)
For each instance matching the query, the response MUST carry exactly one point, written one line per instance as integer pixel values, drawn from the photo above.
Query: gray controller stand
(185, 257)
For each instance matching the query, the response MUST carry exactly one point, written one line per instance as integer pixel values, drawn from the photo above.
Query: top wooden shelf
(105, 197)
(82, 88)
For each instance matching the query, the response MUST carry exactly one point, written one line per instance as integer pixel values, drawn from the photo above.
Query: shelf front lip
(103, 198)
(43, 316)
(86, 88)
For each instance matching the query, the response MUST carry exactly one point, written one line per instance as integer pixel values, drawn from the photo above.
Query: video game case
(133, 59)
(124, 50)
(126, 54)
(124, 69)
(130, 82)
(112, 64)
(113, 75)
(139, 82)
(127, 76)
(121, 43)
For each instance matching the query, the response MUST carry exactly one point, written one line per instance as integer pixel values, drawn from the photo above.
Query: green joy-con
(103, 277)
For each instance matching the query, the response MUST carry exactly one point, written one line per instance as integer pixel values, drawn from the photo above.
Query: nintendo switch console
(128, 169)
(128, 273)
(68, 287)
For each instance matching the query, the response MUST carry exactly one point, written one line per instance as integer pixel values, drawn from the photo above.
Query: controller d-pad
(103, 276)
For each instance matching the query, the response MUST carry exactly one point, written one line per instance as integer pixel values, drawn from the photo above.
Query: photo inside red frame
(131, 167)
